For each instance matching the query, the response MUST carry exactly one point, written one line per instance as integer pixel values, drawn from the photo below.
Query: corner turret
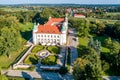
(35, 29)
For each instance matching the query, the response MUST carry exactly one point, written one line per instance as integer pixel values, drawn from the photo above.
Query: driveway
(72, 43)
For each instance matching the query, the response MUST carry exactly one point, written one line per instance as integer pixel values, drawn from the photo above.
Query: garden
(33, 58)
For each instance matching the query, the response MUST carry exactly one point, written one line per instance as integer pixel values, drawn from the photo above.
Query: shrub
(38, 48)
(54, 49)
(50, 60)
(105, 65)
(31, 59)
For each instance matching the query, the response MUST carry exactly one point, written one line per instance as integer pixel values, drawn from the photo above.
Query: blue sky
(60, 1)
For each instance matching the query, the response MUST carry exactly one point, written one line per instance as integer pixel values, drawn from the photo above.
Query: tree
(108, 42)
(88, 66)
(117, 29)
(94, 64)
(95, 45)
(79, 69)
(91, 42)
(10, 39)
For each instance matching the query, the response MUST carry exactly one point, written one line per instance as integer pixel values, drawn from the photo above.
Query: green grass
(54, 49)
(26, 27)
(37, 49)
(105, 50)
(103, 20)
(83, 41)
(113, 13)
(50, 60)
(100, 38)
(31, 59)
(6, 62)
(7, 9)
(26, 31)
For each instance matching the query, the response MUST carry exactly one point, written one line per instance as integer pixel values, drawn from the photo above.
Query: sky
(60, 1)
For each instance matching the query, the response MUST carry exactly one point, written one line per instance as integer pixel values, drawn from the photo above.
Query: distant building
(79, 16)
(72, 14)
(52, 33)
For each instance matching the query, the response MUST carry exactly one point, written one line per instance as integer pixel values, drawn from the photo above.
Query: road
(72, 44)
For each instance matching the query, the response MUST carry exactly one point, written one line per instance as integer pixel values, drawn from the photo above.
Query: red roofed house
(52, 33)
(79, 15)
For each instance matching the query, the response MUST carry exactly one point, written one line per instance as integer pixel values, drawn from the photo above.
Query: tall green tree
(79, 69)
(88, 66)
(10, 38)
(94, 64)
(117, 29)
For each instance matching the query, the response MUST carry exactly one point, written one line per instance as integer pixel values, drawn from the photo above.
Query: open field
(9, 9)
(103, 20)
(113, 13)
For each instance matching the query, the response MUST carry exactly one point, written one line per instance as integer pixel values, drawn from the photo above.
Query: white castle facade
(54, 32)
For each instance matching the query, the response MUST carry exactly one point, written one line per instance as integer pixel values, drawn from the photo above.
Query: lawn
(83, 41)
(103, 20)
(50, 60)
(53, 49)
(26, 31)
(37, 49)
(113, 13)
(31, 59)
(26, 27)
(6, 62)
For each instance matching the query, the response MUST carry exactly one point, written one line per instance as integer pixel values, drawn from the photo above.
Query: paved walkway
(111, 77)
(22, 73)
(62, 55)
(72, 43)
(34, 74)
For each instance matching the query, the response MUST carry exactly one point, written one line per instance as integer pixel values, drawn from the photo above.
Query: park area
(84, 42)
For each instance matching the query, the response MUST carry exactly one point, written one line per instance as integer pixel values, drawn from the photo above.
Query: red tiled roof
(51, 29)
(48, 29)
(54, 20)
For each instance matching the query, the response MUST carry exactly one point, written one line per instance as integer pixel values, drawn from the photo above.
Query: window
(38, 35)
(58, 36)
(54, 36)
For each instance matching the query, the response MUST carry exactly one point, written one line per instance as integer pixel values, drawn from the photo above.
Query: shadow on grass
(112, 72)
(33, 61)
(101, 39)
(81, 49)
(26, 35)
